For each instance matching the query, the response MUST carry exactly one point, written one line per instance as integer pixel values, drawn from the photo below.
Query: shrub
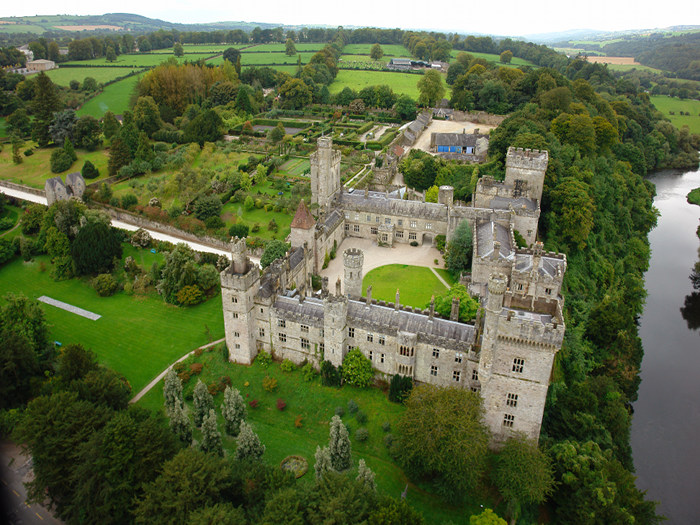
(6, 224)
(238, 230)
(190, 295)
(386, 426)
(352, 406)
(400, 388)
(253, 404)
(357, 369)
(361, 417)
(330, 375)
(89, 170)
(184, 376)
(28, 152)
(287, 366)
(414, 243)
(105, 284)
(263, 359)
(213, 388)
(299, 421)
(440, 241)
(339, 411)
(129, 201)
(269, 383)
(309, 372)
(196, 368)
(60, 161)
(362, 434)
(281, 405)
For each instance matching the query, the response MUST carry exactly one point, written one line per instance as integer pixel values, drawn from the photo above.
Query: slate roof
(504, 203)
(489, 232)
(53, 182)
(547, 266)
(454, 139)
(303, 218)
(296, 257)
(378, 203)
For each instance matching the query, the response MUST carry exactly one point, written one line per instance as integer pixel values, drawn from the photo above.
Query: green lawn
(63, 76)
(491, 57)
(254, 59)
(12, 213)
(307, 48)
(136, 60)
(667, 104)
(296, 167)
(137, 336)
(233, 212)
(363, 58)
(114, 98)
(445, 274)
(35, 170)
(316, 404)
(391, 50)
(198, 48)
(401, 83)
(3, 127)
(386, 279)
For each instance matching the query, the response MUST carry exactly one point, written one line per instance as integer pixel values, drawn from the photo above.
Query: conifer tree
(110, 125)
(339, 445)
(44, 104)
(234, 411)
(180, 424)
(203, 402)
(366, 476)
(172, 391)
(211, 437)
(119, 155)
(249, 445)
(323, 461)
(69, 149)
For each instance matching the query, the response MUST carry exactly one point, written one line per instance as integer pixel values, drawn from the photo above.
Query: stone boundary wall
(21, 187)
(478, 117)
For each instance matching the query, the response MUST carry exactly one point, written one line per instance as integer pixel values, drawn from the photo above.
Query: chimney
(432, 308)
(324, 286)
(369, 296)
(496, 250)
(476, 131)
(397, 304)
(454, 314)
(337, 287)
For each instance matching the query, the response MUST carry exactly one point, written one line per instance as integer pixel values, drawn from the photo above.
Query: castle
(506, 355)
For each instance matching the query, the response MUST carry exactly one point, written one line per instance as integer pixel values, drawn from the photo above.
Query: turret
(446, 195)
(325, 173)
(494, 304)
(335, 320)
(353, 260)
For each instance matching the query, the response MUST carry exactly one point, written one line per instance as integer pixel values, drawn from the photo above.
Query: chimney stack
(454, 313)
(397, 304)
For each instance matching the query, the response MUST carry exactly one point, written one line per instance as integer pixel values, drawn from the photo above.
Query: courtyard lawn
(445, 274)
(137, 336)
(390, 50)
(316, 405)
(35, 169)
(114, 98)
(401, 83)
(667, 104)
(416, 284)
(63, 76)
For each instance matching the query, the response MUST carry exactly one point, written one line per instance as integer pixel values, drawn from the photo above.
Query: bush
(414, 243)
(357, 369)
(214, 223)
(362, 434)
(129, 201)
(263, 359)
(269, 383)
(400, 388)
(89, 170)
(60, 161)
(238, 230)
(281, 405)
(6, 224)
(309, 372)
(352, 406)
(28, 152)
(386, 426)
(361, 417)
(190, 295)
(196, 368)
(105, 284)
(330, 375)
(339, 411)
(287, 366)
(389, 440)
(254, 403)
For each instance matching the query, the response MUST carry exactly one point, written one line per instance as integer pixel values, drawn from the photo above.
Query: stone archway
(428, 239)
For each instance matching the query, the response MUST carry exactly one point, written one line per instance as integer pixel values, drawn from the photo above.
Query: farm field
(114, 98)
(392, 50)
(252, 59)
(137, 336)
(137, 60)
(667, 104)
(316, 404)
(386, 279)
(363, 58)
(491, 57)
(22, 28)
(631, 67)
(63, 76)
(401, 83)
(281, 48)
(35, 169)
(198, 48)
(296, 167)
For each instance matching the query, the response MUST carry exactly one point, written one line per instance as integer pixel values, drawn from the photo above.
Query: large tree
(458, 256)
(95, 248)
(339, 445)
(431, 88)
(376, 52)
(294, 94)
(44, 104)
(234, 411)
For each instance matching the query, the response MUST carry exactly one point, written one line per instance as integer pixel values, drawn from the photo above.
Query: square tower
(325, 173)
(525, 169)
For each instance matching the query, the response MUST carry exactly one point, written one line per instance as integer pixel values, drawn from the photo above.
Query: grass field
(630, 67)
(282, 48)
(386, 279)
(667, 104)
(363, 58)
(114, 98)
(3, 127)
(137, 336)
(296, 167)
(137, 60)
(234, 213)
(35, 170)
(63, 76)
(316, 405)
(401, 83)
(22, 28)
(489, 57)
(199, 48)
(12, 213)
(391, 50)
(253, 59)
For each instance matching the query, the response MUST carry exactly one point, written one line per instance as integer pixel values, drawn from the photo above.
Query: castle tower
(446, 195)
(335, 328)
(239, 282)
(353, 259)
(525, 169)
(325, 173)
(494, 304)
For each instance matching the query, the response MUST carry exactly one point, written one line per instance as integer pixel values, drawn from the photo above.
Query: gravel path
(69, 308)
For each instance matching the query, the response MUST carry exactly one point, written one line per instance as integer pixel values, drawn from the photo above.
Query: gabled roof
(303, 218)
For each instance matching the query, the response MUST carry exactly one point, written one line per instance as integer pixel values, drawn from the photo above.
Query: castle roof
(455, 139)
(53, 182)
(303, 218)
(489, 232)
(504, 203)
(547, 266)
(378, 203)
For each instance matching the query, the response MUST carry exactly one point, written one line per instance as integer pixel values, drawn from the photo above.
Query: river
(666, 425)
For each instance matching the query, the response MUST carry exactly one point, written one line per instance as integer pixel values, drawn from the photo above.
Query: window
(518, 365)
(261, 331)
(413, 224)
(234, 300)
(281, 323)
(262, 311)
(347, 227)
(234, 315)
(371, 355)
(406, 351)
(356, 228)
(475, 375)
(436, 353)
(305, 344)
(322, 347)
(382, 341)
(347, 215)
(373, 230)
(385, 237)
(369, 218)
(381, 358)
(412, 236)
(399, 235)
(236, 334)
(400, 222)
(455, 375)
(433, 370)
(237, 346)
(512, 400)
(357, 216)
(519, 287)
(458, 357)
(283, 337)
(370, 338)
(351, 332)
(548, 291)
(428, 225)
(304, 329)
(508, 420)
(321, 332)
(405, 370)
(377, 219)
(387, 220)
(474, 389)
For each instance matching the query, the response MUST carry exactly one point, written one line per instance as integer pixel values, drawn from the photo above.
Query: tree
(248, 444)
(147, 115)
(572, 216)
(89, 84)
(203, 402)
(487, 517)
(232, 55)
(207, 206)
(441, 436)
(95, 247)
(431, 88)
(110, 54)
(366, 476)
(17, 144)
(205, 127)
(219, 514)
(239, 230)
(179, 270)
(276, 134)
(172, 391)
(234, 411)
(178, 50)
(506, 56)
(339, 445)
(431, 195)
(458, 256)
(119, 156)
(243, 100)
(18, 368)
(405, 107)
(294, 94)
(44, 104)
(18, 123)
(211, 437)
(390, 511)
(86, 133)
(357, 369)
(61, 127)
(467, 304)
(274, 250)
(376, 53)
(322, 463)
(110, 125)
(522, 473)
(180, 425)
(289, 48)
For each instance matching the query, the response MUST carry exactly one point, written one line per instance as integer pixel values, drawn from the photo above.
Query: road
(14, 470)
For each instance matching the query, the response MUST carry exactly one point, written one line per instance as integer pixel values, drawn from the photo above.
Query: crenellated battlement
(533, 159)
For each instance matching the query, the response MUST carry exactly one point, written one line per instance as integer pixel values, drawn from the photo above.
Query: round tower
(496, 287)
(353, 259)
(446, 195)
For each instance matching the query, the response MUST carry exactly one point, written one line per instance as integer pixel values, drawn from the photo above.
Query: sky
(498, 17)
